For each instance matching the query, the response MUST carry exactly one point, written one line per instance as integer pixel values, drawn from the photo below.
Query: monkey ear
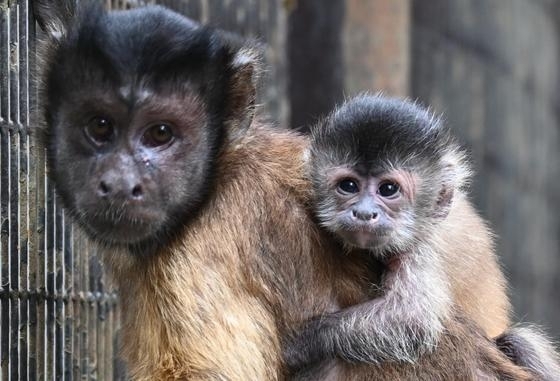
(456, 174)
(53, 17)
(446, 192)
(444, 201)
(241, 105)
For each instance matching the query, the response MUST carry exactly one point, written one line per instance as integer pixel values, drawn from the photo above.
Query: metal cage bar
(59, 315)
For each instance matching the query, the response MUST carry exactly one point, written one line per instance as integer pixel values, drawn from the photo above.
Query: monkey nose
(107, 189)
(103, 190)
(137, 192)
(364, 215)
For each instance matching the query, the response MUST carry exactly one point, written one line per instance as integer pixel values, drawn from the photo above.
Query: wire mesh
(59, 316)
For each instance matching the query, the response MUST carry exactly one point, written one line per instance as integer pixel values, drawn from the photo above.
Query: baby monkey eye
(157, 135)
(388, 189)
(348, 186)
(99, 129)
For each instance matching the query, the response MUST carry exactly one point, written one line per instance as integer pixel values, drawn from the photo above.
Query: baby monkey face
(370, 208)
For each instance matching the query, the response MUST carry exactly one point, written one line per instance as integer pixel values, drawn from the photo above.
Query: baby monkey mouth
(367, 238)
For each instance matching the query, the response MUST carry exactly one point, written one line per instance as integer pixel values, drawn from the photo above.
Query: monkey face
(137, 104)
(368, 211)
(384, 173)
(126, 172)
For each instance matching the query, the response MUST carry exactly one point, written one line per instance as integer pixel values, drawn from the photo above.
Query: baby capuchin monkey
(390, 184)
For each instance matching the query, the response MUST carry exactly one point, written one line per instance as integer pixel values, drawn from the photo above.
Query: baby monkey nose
(364, 215)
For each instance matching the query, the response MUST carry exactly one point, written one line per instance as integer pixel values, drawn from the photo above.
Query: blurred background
(491, 67)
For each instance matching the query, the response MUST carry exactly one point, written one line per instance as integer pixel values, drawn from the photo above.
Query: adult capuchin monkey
(390, 183)
(200, 211)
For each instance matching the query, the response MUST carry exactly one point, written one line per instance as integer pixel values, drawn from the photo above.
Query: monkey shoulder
(467, 250)
(258, 215)
(274, 154)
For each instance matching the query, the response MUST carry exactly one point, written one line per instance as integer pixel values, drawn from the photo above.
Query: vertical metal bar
(4, 245)
(4, 79)
(44, 220)
(24, 181)
(69, 308)
(4, 196)
(33, 190)
(3, 328)
(14, 257)
(92, 328)
(36, 365)
(109, 337)
(84, 312)
(92, 318)
(76, 357)
(118, 365)
(101, 320)
(99, 294)
(13, 234)
(58, 273)
(4, 253)
(42, 254)
(33, 216)
(46, 357)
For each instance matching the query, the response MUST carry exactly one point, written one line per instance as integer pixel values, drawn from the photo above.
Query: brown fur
(215, 304)
(478, 285)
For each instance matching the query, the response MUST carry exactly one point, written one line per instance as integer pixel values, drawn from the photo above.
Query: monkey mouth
(121, 228)
(123, 232)
(371, 239)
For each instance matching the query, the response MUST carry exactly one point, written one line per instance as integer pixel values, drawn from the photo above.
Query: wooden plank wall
(492, 68)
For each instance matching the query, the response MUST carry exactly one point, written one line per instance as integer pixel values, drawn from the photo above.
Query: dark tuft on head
(378, 131)
(373, 134)
(151, 46)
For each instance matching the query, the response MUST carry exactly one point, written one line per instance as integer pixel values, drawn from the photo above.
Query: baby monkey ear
(455, 177)
(444, 201)
(54, 17)
(245, 69)
(446, 192)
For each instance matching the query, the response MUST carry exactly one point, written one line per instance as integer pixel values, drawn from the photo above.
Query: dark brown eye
(388, 189)
(348, 186)
(157, 135)
(99, 129)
